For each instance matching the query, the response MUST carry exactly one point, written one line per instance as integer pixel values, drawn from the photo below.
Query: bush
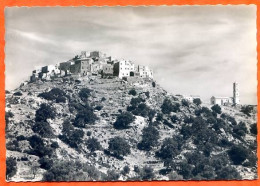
(136, 101)
(73, 138)
(185, 102)
(240, 129)
(247, 110)
(99, 107)
(17, 94)
(54, 94)
(54, 145)
(39, 149)
(89, 133)
(253, 129)
(11, 167)
(45, 163)
(147, 173)
(43, 128)
(21, 138)
(216, 108)
(44, 112)
(103, 99)
(197, 101)
(123, 120)
(93, 144)
(168, 107)
(168, 150)
(147, 94)
(153, 84)
(238, 154)
(132, 92)
(150, 138)
(119, 147)
(112, 175)
(85, 116)
(84, 93)
(125, 170)
(228, 173)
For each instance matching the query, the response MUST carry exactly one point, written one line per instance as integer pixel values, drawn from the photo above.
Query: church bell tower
(236, 93)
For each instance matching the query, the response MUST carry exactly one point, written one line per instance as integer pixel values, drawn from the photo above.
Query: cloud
(190, 48)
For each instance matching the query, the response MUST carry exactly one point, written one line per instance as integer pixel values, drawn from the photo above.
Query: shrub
(103, 99)
(39, 149)
(147, 173)
(73, 138)
(247, 110)
(43, 128)
(89, 133)
(84, 93)
(54, 94)
(240, 129)
(45, 163)
(119, 147)
(123, 120)
(150, 138)
(159, 117)
(153, 84)
(132, 92)
(142, 110)
(125, 170)
(168, 150)
(44, 112)
(136, 101)
(21, 138)
(185, 102)
(185, 169)
(197, 101)
(54, 145)
(228, 173)
(147, 94)
(93, 144)
(238, 154)
(112, 175)
(216, 108)
(17, 94)
(168, 106)
(85, 116)
(99, 107)
(253, 129)
(11, 167)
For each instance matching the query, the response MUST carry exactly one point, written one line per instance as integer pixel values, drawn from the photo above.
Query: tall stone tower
(236, 93)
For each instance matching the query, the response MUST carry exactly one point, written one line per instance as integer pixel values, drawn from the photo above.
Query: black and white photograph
(134, 93)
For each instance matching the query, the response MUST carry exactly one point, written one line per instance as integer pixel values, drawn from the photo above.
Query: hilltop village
(93, 63)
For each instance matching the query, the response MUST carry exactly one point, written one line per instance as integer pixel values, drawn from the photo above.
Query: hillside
(89, 128)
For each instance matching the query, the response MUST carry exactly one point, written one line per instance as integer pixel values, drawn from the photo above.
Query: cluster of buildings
(227, 100)
(92, 63)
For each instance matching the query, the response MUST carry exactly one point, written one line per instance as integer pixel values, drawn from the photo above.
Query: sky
(193, 50)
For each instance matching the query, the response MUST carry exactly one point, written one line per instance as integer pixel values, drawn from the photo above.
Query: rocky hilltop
(93, 128)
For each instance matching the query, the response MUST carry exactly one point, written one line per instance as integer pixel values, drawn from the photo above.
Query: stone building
(144, 71)
(124, 68)
(49, 72)
(107, 70)
(97, 54)
(191, 97)
(227, 100)
(65, 67)
(82, 66)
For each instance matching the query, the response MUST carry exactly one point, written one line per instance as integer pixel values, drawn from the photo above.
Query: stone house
(221, 100)
(82, 66)
(144, 71)
(97, 54)
(191, 97)
(107, 70)
(124, 68)
(65, 67)
(50, 71)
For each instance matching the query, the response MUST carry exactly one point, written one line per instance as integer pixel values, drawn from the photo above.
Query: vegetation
(253, 129)
(216, 109)
(84, 93)
(44, 112)
(85, 116)
(18, 94)
(132, 92)
(119, 147)
(93, 144)
(168, 107)
(197, 101)
(54, 94)
(11, 167)
(247, 110)
(150, 138)
(153, 84)
(123, 120)
(43, 128)
(238, 154)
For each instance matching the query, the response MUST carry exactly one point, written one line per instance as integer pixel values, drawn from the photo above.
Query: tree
(253, 129)
(85, 116)
(123, 120)
(247, 110)
(147, 173)
(119, 147)
(185, 102)
(125, 170)
(44, 112)
(43, 128)
(93, 144)
(153, 84)
(197, 101)
(11, 167)
(168, 107)
(150, 138)
(132, 92)
(54, 94)
(216, 108)
(84, 93)
(238, 154)
(168, 150)
(228, 173)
